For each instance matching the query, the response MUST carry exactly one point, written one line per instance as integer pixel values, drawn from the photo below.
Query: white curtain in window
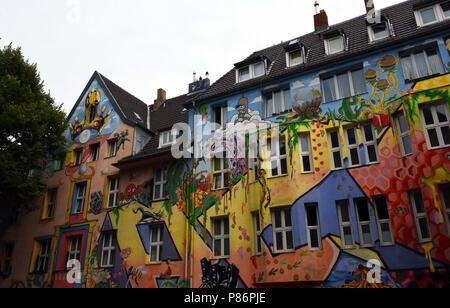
(329, 89)
(287, 100)
(435, 62)
(421, 64)
(344, 85)
(278, 106)
(359, 83)
(408, 69)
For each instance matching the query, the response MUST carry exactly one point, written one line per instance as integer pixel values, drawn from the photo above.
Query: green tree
(31, 128)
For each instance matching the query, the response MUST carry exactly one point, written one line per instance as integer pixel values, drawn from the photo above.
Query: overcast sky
(143, 45)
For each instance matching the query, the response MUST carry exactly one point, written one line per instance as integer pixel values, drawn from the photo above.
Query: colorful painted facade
(350, 182)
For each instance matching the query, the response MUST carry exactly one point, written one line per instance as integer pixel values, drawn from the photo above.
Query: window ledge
(423, 78)
(277, 176)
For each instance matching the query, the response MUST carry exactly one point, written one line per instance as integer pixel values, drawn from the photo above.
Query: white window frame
(436, 125)
(74, 251)
(278, 157)
(289, 62)
(108, 249)
(43, 257)
(445, 206)
(95, 151)
(372, 32)
(162, 183)
(419, 216)
(402, 135)
(113, 191)
(352, 146)
(327, 44)
(368, 143)
(112, 148)
(336, 85)
(283, 103)
(251, 69)
(81, 197)
(384, 221)
(311, 228)
(306, 153)
(166, 139)
(438, 12)
(158, 243)
(51, 203)
(222, 237)
(222, 122)
(364, 223)
(336, 149)
(257, 232)
(222, 172)
(283, 230)
(345, 224)
(412, 55)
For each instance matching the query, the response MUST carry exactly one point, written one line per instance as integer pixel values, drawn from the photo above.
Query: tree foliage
(31, 128)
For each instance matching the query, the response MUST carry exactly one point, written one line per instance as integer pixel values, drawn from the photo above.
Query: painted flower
(125, 253)
(130, 191)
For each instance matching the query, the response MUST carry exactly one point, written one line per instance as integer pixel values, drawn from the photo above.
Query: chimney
(369, 5)
(320, 19)
(161, 99)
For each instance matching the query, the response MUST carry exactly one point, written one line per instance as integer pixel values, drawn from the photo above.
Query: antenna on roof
(316, 5)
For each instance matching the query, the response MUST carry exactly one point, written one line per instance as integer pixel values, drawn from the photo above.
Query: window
(278, 102)
(253, 165)
(166, 139)
(6, 265)
(294, 58)
(59, 164)
(220, 172)
(305, 153)
(436, 122)
(445, 201)
(74, 249)
(43, 257)
(160, 184)
(343, 85)
(313, 226)
(378, 31)
(221, 237)
(257, 230)
(95, 151)
(364, 223)
(112, 145)
(80, 197)
(370, 143)
(283, 231)
(403, 134)
(353, 146)
(383, 220)
(108, 249)
(433, 14)
(221, 116)
(49, 210)
(113, 192)
(278, 157)
(156, 243)
(334, 45)
(420, 215)
(78, 156)
(251, 71)
(345, 224)
(336, 152)
(422, 64)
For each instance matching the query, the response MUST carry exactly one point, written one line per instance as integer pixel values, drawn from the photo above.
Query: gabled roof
(401, 17)
(131, 110)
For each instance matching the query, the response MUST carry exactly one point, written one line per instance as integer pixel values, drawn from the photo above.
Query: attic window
(294, 58)
(251, 71)
(378, 31)
(334, 44)
(166, 139)
(432, 14)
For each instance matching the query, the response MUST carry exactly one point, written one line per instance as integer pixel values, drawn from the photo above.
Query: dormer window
(378, 31)
(166, 139)
(251, 71)
(334, 45)
(294, 58)
(432, 14)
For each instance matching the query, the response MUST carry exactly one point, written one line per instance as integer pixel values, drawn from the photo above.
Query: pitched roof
(132, 108)
(401, 17)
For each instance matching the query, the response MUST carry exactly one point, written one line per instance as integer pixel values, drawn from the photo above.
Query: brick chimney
(369, 5)
(320, 19)
(161, 99)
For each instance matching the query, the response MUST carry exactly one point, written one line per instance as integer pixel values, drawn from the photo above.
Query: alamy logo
(374, 275)
(373, 16)
(74, 273)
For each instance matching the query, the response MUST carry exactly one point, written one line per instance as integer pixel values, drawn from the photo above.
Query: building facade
(330, 155)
